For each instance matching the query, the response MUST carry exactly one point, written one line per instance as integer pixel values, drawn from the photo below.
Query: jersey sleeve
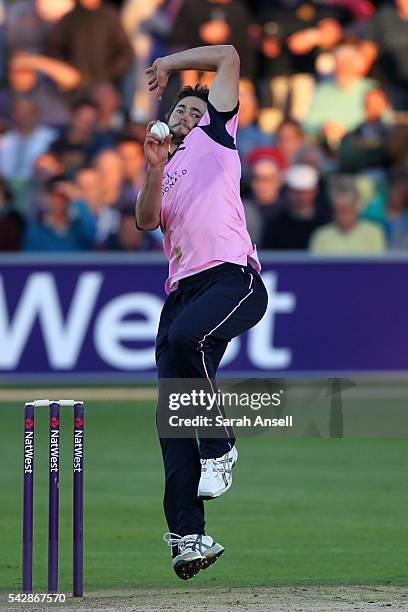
(220, 126)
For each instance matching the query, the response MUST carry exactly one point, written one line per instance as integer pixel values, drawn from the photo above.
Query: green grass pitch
(301, 511)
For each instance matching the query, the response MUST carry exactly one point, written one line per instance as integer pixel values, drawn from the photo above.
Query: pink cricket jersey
(202, 216)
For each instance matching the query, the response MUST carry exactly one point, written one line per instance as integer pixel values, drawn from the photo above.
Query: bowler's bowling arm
(222, 59)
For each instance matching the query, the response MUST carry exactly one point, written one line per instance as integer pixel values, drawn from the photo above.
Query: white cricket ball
(160, 129)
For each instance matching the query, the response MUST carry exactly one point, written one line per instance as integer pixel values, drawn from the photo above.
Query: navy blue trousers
(198, 320)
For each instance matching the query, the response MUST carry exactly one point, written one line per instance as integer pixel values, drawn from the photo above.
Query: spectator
(365, 147)
(87, 182)
(386, 37)
(137, 19)
(11, 221)
(328, 32)
(289, 139)
(71, 156)
(267, 166)
(66, 224)
(338, 107)
(290, 31)
(80, 137)
(249, 134)
(110, 117)
(131, 152)
(20, 147)
(91, 38)
(109, 167)
(30, 21)
(347, 234)
(46, 80)
(46, 167)
(128, 238)
(215, 22)
(292, 227)
(397, 213)
(311, 155)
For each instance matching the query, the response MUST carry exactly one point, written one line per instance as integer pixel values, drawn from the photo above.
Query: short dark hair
(290, 121)
(81, 102)
(125, 137)
(198, 91)
(52, 182)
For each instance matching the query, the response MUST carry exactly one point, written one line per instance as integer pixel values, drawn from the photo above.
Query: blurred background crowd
(323, 124)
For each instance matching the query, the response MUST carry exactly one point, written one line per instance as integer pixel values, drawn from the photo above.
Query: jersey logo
(170, 179)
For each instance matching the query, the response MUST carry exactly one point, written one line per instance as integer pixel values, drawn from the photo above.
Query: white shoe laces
(173, 539)
(195, 540)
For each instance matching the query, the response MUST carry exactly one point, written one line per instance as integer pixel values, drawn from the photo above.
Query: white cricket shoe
(216, 475)
(194, 552)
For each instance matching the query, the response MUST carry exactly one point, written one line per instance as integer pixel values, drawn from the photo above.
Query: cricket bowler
(215, 293)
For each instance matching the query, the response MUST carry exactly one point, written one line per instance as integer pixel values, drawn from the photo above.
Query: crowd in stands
(323, 123)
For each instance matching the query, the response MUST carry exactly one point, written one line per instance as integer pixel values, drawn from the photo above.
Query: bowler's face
(186, 115)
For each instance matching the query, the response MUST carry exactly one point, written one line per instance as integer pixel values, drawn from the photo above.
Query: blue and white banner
(95, 318)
